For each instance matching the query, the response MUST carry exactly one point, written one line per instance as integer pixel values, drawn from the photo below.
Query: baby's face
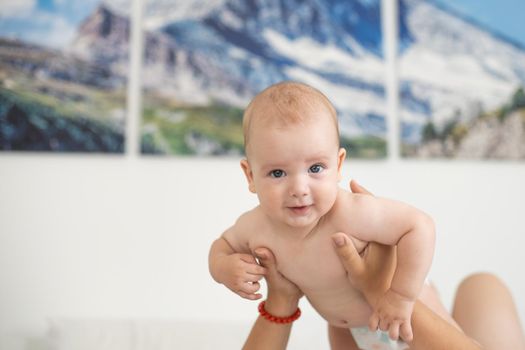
(295, 170)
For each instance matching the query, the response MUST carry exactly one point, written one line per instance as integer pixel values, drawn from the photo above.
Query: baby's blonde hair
(286, 103)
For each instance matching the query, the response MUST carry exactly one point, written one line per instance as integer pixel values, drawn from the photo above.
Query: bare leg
(341, 339)
(486, 312)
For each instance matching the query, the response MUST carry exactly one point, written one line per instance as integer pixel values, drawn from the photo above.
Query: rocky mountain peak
(102, 37)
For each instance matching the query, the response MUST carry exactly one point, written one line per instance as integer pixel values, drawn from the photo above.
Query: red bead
(276, 319)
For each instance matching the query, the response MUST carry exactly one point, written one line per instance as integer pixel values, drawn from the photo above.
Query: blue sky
(46, 22)
(72, 10)
(53, 22)
(503, 16)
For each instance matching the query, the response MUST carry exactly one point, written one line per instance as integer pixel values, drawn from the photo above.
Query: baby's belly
(342, 307)
(347, 308)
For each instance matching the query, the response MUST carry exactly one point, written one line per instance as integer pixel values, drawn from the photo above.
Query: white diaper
(367, 340)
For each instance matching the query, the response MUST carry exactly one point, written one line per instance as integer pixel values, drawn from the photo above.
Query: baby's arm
(238, 271)
(395, 223)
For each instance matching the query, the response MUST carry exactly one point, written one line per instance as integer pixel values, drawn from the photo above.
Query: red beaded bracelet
(275, 319)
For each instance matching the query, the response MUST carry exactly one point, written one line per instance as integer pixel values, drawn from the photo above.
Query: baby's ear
(249, 174)
(340, 160)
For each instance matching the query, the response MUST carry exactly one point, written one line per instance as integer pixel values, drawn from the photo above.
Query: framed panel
(63, 75)
(203, 64)
(462, 79)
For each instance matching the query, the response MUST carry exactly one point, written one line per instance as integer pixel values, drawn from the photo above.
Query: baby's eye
(277, 173)
(316, 168)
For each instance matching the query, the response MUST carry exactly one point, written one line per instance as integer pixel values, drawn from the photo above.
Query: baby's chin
(303, 222)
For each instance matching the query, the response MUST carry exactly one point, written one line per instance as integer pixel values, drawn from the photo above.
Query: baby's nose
(299, 187)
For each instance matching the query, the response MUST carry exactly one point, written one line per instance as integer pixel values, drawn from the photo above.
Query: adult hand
(281, 291)
(282, 300)
(372, 271)
(357, 188)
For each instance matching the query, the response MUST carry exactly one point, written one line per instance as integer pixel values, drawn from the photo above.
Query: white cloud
(313, 54)
(57, 32)
(52, 29)
(60, 34)
(16, 8)
(122, 7)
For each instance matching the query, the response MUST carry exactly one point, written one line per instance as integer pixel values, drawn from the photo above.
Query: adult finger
(267, 259)
(357, 188)
(348, 255)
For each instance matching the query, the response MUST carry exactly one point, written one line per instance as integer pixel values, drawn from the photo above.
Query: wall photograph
(63, 75)
(203, 63)
(64, 69)
(462, 79)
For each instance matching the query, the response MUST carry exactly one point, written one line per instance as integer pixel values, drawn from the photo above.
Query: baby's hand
(392, 313)
(241, 273)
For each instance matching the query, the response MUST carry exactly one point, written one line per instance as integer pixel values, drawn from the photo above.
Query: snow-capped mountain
(159, 13)
(121, 8)
(200, 52)
(239, 47)
(452, 67)
(103, 38)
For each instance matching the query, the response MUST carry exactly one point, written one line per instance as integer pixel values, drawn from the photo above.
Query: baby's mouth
(300, 209)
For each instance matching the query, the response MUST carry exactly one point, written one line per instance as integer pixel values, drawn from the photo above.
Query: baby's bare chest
(311, 262)
(313, 265)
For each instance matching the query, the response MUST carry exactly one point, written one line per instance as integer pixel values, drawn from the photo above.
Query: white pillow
(85, 334)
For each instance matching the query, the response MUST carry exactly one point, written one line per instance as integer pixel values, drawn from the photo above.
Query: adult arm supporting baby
(368, 274)
(282, 300)
(392, 223)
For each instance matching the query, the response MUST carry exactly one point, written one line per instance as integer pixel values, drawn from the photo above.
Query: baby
(293, 163)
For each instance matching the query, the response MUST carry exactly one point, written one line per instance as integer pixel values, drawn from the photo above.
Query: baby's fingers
(393, 330)
(250, 288)
(253, 278)
(255, 269)
(406, 332)
(373, 322)
(248, 258)
(384, 324)
(249, 296)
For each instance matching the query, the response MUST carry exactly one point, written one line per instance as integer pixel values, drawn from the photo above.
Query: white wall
(128, 236)
(110, 237)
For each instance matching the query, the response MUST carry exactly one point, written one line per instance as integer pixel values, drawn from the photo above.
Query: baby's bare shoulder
(249, 223)
(348, 215)
(243, 231)
(356, 207)
(250, 218)
(347, 201)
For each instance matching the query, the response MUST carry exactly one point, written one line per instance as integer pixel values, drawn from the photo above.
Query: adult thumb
(350, 258)
(357, 188)
(266, 257)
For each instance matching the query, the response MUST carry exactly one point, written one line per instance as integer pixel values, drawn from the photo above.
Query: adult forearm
(431, 332)
(268, 335)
